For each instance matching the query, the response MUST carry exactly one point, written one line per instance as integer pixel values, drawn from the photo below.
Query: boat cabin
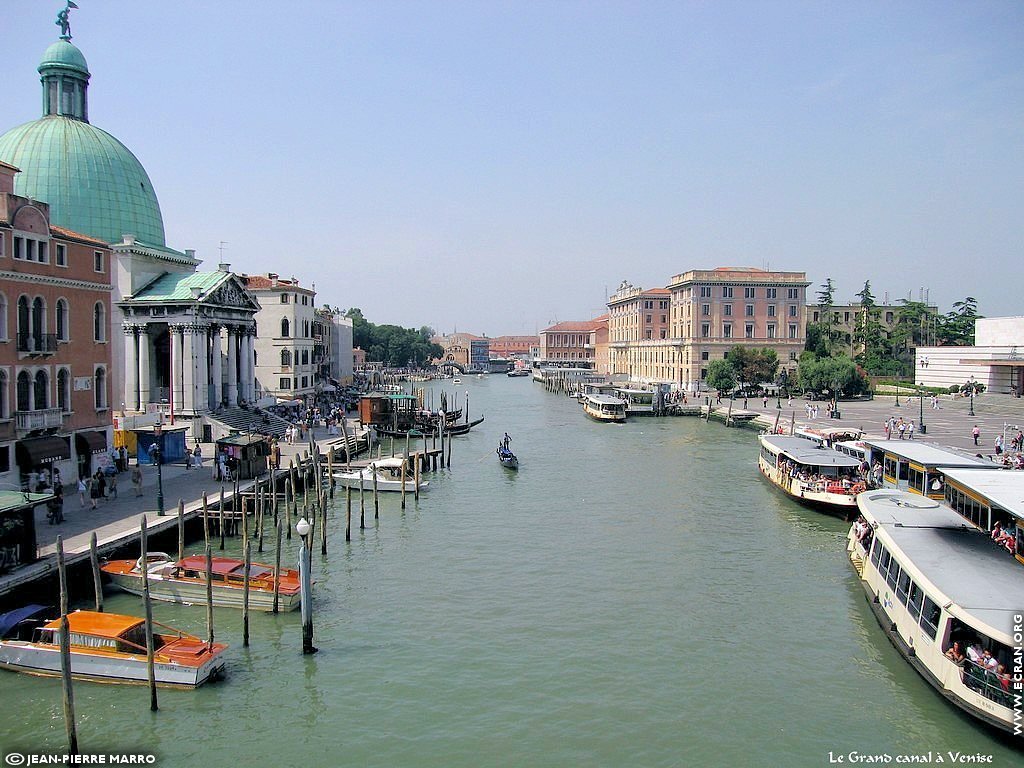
(918, 467)
(604, 408)
(809, 462)
(391, 410)
(987, 497)
(829, 437)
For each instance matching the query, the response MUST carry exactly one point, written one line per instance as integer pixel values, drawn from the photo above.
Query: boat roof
(961, 562)
(390, 461)
(604, 399)
(634, 391)
(11, 619)
(102, 624)
(1003, 488)
(220, 565)
(928, 453)
(803, 451)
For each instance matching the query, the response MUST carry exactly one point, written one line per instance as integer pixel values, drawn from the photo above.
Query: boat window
(876, 552)
(893, 575)
(191, 574)
(903, 586)
(930, 613)
(92, 641)
(916, 477)
(916, 596)
(883, 563)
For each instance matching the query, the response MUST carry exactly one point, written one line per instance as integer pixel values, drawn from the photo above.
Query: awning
(41, 450)
(93, 441)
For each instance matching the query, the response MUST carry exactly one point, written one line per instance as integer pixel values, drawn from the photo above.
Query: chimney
(273, 279)
(196, 292)
(224, 267)
(190, 252)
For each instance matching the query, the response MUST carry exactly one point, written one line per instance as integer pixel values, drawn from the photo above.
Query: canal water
(635, 595)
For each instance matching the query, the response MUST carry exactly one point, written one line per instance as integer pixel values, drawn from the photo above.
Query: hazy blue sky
(495, 166)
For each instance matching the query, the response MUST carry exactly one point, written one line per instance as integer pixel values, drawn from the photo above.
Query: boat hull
(346, 480)
(194, 593)
(843, 505)
(44, 660)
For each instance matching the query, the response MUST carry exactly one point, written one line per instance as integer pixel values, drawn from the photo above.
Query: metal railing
(988, 683)
(37, 343)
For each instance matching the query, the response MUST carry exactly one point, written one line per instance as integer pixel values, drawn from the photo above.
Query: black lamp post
(156, 452)
(897, 394)
(920, 422)
(970, 384)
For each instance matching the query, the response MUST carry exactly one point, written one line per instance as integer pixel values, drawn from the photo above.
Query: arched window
(62, 320)
(100, 388)
(64, 390)
(3, 316)
(24, 391)
(99, 322)
(5, 405)
(284, 327)
(41, 396)
(286, 358)
(24, 323)
(38, 319)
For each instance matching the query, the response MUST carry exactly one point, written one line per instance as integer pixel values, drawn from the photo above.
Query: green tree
(822, 334)
(721, 376)
(753, 366)
(869, 338)
(956, 327)
(831, 374)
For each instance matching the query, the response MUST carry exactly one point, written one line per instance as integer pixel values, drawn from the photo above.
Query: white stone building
(996, 360)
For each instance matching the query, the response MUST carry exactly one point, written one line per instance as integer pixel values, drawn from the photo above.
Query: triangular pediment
(231, 293)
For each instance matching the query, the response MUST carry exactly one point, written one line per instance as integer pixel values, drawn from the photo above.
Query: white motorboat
(388, 472)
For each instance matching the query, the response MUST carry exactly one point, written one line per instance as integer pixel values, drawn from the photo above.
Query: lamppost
(970, 384)
(920, 422)
(305, 587)
(897, 394)
(156, 453)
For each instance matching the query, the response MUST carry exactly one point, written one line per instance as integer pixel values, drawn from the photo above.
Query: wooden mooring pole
(209, 595)
(97, 579)
(245, 593)
(67, 692)
(181, 529)
(147, 602)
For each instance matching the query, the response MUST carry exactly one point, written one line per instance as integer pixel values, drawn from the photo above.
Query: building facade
(714, 310)
(638, 322)
(569, 344)
(284, 344)
(513, 347)
(55, 344)
(996, 360)
(845, 319)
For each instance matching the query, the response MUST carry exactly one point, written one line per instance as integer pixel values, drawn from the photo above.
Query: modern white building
(996, 360)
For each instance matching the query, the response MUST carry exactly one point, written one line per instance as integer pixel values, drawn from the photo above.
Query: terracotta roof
(737, 269)
(573, 325)
(657, 292)
(264, 283)
(76, 235)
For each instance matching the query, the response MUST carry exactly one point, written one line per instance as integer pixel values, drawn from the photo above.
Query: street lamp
(970, 384)
(156, 453)
(897, 394)
(920, 401)
(305, 587)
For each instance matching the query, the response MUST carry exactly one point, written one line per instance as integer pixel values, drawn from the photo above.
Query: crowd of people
(982, 670)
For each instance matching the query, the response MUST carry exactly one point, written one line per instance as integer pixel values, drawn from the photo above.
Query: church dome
(92, 182)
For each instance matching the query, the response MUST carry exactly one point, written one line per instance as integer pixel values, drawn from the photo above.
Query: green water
(634, 596)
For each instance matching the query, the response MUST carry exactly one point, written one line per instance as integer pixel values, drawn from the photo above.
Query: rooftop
(803, 451)
(928, 454)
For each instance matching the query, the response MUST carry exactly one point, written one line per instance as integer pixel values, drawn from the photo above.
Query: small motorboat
(107, 648)
(456, 381)
(505, 455)
(389, 476)
(184, 581)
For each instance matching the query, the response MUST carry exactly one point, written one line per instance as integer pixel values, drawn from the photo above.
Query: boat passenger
(974, 652)
(954, 653)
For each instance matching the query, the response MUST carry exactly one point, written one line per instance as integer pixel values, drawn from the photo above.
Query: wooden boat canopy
(110, 625)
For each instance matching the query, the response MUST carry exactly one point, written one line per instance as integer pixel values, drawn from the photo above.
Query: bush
(954, 389)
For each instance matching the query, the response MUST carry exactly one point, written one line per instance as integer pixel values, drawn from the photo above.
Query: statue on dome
(64, 22)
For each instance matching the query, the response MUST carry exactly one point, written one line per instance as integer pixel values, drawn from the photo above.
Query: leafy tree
(721, 375)
(831, 374)
(869, 338)
(822, 334)
(753, 366)
(391, 344)
(956, 327)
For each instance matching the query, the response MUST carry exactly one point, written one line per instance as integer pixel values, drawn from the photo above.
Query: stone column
(201, 345)
(174, 332)
(250, 368)
(188, 368)
(131, 367)
(216, 370)
(144, 367)
(232, 380)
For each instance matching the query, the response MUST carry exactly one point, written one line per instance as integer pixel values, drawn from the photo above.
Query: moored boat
(389, 476)
(811, 474)
(106, 647)
(604, 408)
(946, 596)
(184, 581)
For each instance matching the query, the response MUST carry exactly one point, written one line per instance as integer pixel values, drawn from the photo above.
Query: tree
(393, 345)
(822, 334)
(753, 366)
(956, 327)
(831, 374)
(721, 375)
(868, 337)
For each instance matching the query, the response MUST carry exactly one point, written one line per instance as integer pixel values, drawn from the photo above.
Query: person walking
(83, 490)
(976, 433)
(197, 456)
(112, 486)
(910, 430)
(999, 444)
(137, 479)
(94, 490)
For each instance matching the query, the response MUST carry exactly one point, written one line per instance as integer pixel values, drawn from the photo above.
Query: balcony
(30, 421)
(37, 344)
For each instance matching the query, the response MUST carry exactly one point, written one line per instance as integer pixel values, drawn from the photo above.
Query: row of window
(922, 608)
(748, 330)
(33, 321)
(286, 382)
(301, 357)
(748, 310)
(38, 250)
(286, 328)
(749, 292)
(305, 300)
(33, 390)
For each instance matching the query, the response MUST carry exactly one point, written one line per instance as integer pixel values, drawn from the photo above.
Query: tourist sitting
(974, 652)
(954, 653)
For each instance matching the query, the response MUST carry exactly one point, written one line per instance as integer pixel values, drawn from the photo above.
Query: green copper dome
(63, 54)
(93, 183)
